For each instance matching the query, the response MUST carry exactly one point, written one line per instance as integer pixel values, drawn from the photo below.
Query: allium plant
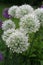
(12, 10)
(1, 56)
(7, 33)
(41, 6)
(17, 42)
(5, 13)
(20, 40)
(23, 10)
(29, 23)
(39, 14)
(8, 24)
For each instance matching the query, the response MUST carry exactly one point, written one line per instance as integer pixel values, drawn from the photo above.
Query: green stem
(7, 57)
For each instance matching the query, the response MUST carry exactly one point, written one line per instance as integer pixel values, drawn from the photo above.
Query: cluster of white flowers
(39, 14)
(12, 11)
(20, 11)
(17, 42)
(14, 38)
(8, 24)
(29, 23)
(7, 33)
(23, 10)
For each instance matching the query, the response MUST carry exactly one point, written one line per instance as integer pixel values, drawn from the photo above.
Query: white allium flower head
(7, 33)
(29, 23)
(39, 13)
(8, 24)
(23, 10)
(17, 42)
(22, 30)
(12, 10)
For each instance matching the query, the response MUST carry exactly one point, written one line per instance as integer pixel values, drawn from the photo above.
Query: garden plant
(22, 35)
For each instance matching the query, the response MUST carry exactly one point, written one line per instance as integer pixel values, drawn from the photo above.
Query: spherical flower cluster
(29, 23)
(12, 10)
(17, 42)
(8, 24)
(23, 10)
(7, 33)
(39, 13)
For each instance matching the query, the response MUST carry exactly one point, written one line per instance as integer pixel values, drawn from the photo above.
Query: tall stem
(7, 57)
